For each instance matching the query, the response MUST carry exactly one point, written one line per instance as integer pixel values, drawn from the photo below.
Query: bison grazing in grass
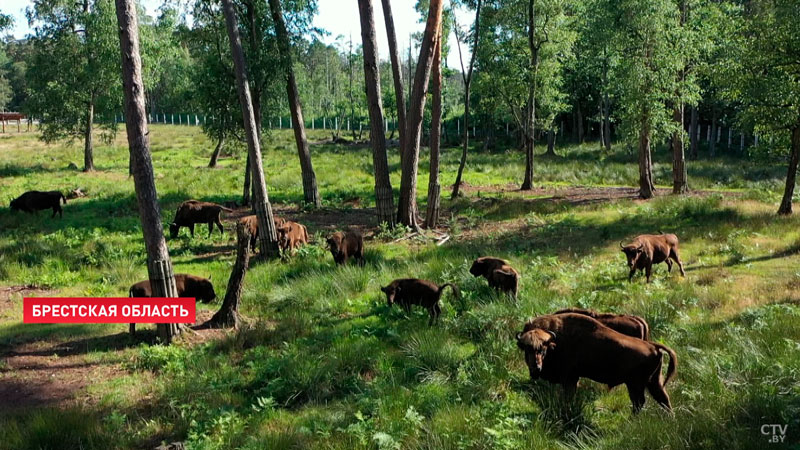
(627, 324)
(563, 348)
(33, 201)
(649, 249)
(345, 245)
(498, 274)
(251, 222)
(291, 235)
(191, 212)
(412, 291)
(189, 286)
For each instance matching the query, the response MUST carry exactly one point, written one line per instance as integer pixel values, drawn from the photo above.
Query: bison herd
(560, 348)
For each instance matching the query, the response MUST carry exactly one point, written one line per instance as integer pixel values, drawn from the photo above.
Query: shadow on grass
(113, 342)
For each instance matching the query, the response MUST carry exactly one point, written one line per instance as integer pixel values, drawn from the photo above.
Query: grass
(324, 363)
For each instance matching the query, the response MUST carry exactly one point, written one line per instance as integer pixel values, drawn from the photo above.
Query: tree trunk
(88, 147)
(217, 150)
(407, 211)
(607, 122)
(434, 189)
(579, 122)
(159, 265)
(530, 112)
(712, 143)
(551, 143)
(679, 176)
(646, 188)
(788, 193)
(247, 189)
(693, 130)
(384, 198)
(267, 237)
(397, 73)
(310, 189)
(228, 314)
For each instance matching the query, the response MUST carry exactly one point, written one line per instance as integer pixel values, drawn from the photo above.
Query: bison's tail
(225, 209)
(456, 292)
(645, 327)
(673, 361)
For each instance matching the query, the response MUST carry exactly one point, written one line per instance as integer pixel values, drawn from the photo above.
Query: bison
(187, 285)
(563, 348)
(633, 326)
(649, 249)
(412, 291)
(498, 274)
(291, 235)
(191, 212)
(251, 222)
(33, 201)
(345, 245)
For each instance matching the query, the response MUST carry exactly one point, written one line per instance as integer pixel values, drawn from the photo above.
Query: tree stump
(228, 314)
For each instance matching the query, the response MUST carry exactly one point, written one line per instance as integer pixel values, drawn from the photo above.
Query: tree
(159, 265)
(228, 314)
(310, 189)
(407, 210)
(434, 188)
(73, 73)
(764, 74)
(467, 78)
(397, 73)
(384, 197)
(6, 91)
(267, 237)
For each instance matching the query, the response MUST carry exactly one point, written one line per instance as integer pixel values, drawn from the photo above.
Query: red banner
(108, 310)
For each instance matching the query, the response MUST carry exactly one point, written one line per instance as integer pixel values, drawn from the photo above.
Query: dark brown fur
(291, 235)
(192, 212)
(33, 201)
(563, 348)
(251, 222)
(345, 245)
(498, 273)
(630, 325)
(649, 249)
(412, 291)
(192, 286)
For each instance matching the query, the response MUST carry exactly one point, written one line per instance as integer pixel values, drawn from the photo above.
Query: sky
(338, 17)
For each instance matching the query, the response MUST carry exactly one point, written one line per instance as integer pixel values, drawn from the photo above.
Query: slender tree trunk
(247, 189)
(267, 237)
(579, 122)
(159, 265)
(88, 147)
(551, 143)
(397, 73)
(310, 189)
(680, 184)
(693, 133)
(434, 188)
(607, 122)
(228, 314)
(788, 193)
(217, 150)
(646, 188)
(530, 112)
(712, 143)
(467, 77)
(384, 198)
(407, 211)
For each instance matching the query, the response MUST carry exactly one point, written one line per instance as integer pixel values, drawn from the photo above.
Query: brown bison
(498, 274)
(633, 326)
(33, 201)
(192, 286)
(649, 249)
(191, 212)
(413, 291)
(345, 245)
(251, 222)
(563, 348)
(291, 235)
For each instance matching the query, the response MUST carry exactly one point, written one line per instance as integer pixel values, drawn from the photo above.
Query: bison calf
(33, 201)
(187, 285)
(563, 348)
(291, 235)
(191, 212)
(345, 245)
(649, 249)
(633, 326)
(412, 291)
(498, 273)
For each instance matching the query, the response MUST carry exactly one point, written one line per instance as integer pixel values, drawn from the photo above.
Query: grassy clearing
(326, 364)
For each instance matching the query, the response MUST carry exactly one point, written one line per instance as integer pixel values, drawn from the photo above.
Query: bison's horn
(519, 335)
(620, 245)
(551, 334)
